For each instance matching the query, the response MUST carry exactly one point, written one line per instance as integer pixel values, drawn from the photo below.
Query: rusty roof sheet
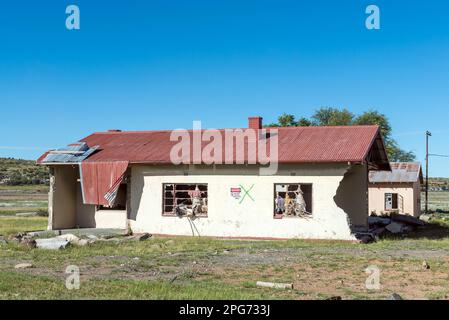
(296, 145)
(401, 172)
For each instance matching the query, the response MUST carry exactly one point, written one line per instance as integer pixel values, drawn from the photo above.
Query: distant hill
(16, 172)
(438, 184)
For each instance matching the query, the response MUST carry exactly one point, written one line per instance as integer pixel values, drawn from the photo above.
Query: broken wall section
(352, 196)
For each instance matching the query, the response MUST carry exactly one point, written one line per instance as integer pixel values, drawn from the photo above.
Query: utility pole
(428, 134)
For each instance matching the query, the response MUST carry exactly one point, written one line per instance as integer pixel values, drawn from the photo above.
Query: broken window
(391, 201)
(120, 200)
(185, 199)
(292, 200)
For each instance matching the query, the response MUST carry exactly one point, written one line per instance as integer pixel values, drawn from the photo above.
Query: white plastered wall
(66, 208)
(227, 217)
(409, 192)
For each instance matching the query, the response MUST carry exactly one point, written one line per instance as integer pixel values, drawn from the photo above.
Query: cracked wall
(334, 190)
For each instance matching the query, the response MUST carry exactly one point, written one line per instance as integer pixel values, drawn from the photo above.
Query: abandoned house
(128, 180)
(398, 190)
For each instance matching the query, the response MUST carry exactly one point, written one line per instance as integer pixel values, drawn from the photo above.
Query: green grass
(11, 225)
(37, 187)
(209, 268)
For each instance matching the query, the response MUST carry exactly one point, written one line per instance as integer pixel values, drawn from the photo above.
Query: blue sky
(139, 65)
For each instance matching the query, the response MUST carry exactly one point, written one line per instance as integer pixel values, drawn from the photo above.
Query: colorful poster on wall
(236, 192)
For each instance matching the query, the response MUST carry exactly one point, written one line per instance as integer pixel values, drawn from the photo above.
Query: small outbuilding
(396, 191)
(134, 180)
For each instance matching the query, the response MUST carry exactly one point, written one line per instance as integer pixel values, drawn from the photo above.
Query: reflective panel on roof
(73, 153)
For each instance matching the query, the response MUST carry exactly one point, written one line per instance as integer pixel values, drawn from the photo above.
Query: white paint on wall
(229, 218)
(410, 193)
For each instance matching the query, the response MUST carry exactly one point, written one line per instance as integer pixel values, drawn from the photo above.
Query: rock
(226, 251)
(274, 285)
(425, 265)
(92, 237)
(83, 242)
(138, 237)
(3, 242)
(52, 243)
(29, 243)
(69, 237)
(425, 217)
(395, 227)
(23, 266)
(395, 296)
(74, 239)
(170, 242)
(407, 219)
(365, 237)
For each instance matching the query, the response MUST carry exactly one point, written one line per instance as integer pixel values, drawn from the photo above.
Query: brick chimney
(255, 123)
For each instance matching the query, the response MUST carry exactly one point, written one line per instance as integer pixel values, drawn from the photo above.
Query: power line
(438, 155)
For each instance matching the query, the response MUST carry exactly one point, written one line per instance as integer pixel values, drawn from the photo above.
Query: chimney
(255, 123)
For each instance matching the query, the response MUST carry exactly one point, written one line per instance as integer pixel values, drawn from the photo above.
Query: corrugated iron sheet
(401, 172)
(60, 156)
(99, 178)
(296, 145)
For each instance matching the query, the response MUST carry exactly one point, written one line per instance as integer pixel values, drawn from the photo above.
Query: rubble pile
(393, 224)
(52, 241)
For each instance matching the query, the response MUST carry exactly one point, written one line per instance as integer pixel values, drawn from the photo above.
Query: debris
(83, 242)
(365, 237)
(406, 219)
(52, 243)
(68, 237)
(23, 266)
(395, 296)
(425, 217)
(378, 231)
(274, 285)
(29, 243)
(425, 265)
(74, 239)
(141, 236)
(372, 220)
(173, 279)
(43, 233)
(395, 227)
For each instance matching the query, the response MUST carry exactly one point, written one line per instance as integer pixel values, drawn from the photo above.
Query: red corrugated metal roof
(296, 145)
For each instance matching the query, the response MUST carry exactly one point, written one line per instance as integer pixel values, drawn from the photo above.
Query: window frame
(275, 216)
(172, 214)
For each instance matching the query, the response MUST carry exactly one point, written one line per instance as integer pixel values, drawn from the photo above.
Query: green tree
(303, 122)
(326, 116)
(287, 120)
(377, 118)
